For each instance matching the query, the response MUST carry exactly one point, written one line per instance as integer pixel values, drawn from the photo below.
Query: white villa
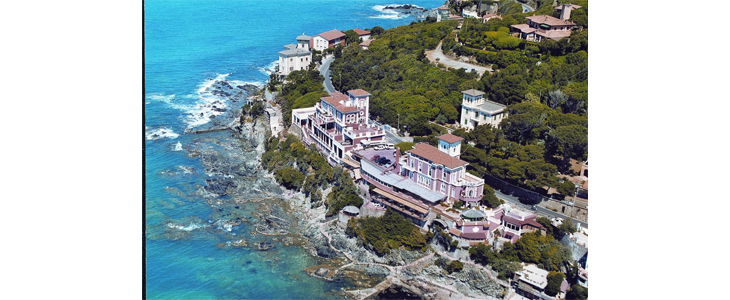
(296, 57)
(475, 110)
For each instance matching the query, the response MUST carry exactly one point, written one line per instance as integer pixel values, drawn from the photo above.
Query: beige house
(328, 39)
(475, 110)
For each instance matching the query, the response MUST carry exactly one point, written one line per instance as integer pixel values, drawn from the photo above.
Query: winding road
(437, 56)
(325, 71)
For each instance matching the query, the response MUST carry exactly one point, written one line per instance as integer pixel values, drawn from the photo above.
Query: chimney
(565, 12)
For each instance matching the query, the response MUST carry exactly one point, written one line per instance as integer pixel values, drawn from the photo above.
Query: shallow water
(187, 43)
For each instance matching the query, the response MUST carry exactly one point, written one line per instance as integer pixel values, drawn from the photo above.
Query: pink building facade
(441, 170)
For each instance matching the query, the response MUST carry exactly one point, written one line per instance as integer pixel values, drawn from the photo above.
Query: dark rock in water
(253, 271)
(396, 292)
(219, 186)
(263, 246)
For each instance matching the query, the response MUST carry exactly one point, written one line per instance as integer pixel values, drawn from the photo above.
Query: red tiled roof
(366, 43)
(529, 221)
(450, 138)
(435, 155)
(335, 100)
(360, 31)
(455, 232)
(549, 20)
(332, 34)
(553, 34)
(443, 7)
(358, 92)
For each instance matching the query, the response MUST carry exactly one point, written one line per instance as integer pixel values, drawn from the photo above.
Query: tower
(450, 144)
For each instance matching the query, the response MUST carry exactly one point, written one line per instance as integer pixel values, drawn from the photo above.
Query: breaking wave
(159, 133)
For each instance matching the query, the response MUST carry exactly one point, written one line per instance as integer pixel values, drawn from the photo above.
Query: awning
(401, 201)
(350, 162)
(357, 174)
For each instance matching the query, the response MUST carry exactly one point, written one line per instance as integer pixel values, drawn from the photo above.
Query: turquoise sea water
(187, 42)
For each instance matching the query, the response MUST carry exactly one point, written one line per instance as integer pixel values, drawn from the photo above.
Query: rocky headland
(256, 214)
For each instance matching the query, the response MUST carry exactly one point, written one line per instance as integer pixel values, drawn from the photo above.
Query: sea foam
(159, 133)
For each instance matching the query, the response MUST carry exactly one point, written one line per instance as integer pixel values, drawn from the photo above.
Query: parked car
(376, 157)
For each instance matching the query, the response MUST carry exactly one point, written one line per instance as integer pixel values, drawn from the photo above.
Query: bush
(555, 280)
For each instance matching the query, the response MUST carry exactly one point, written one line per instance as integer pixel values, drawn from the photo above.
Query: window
(429, 171)
(453, 193)
(443, 188)
(419, 166)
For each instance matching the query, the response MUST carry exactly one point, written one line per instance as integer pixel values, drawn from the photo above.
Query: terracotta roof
(524, 28)
(450, 138)
(530, 221)
(455, 232)
(332, 34)
(435, 155)
(553, 34)
(549, 20)
(360, 31)
(358, 92)
(443, 7)
(366, 43)
(336, 100)
(473, 92)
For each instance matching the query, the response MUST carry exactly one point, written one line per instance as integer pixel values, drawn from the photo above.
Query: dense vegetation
(545, 86)
(301, 89)
(391, 231)
(304, 169)
(544, 251)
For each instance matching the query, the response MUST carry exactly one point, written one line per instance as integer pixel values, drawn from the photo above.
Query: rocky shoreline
(244, 195)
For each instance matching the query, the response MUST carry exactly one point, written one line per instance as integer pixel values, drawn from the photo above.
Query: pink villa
(441, 170)
(338, 124)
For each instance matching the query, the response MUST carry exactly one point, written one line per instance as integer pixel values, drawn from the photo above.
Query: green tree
(351, 37)
(555, 280)
(405, 146)
(569, 142)
(566, 188)
(489, 199)
(376, 31)
(577, 292)
(454, 266)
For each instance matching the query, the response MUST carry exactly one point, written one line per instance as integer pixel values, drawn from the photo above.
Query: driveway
(438, 54)
(325, 71)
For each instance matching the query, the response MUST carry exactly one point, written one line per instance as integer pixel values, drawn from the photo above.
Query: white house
(475, 110)
(296, 56)
(328, 39)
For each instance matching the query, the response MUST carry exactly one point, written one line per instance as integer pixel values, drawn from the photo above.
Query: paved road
(540, 210)
(526, 8)
(438, 54)
(325, 71)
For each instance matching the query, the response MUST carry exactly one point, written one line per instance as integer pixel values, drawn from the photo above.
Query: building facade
(516, 223)
(296, 56)
(543, 27)
(441, 170)
(338, 124)
(475, 110)
(329, 39)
